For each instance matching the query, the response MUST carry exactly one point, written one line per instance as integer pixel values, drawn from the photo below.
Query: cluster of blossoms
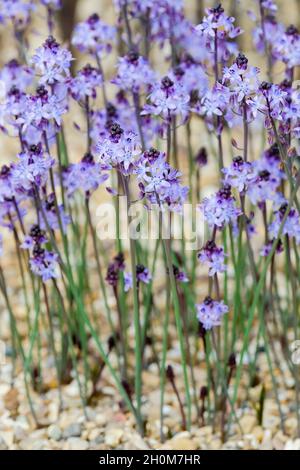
(17, 12)
(134, 73)
(168, 99)
(159, 183)
(93, 36)
(220, 209)
(119, 150)
(85, 83)
(52, 62)
(219, 28)
(214, 257)
(86, 175)
(281, 43)
(210, 312)
(117, 266)
(43, 263)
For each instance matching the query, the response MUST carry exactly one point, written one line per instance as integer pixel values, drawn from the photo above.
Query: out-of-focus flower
(134, 73)
(16, 75)
(142, 275)
(85, 83)
(44, 263)
(36, 236)
(16, 11)
(93, 36)
(86, 176)
(291, 226)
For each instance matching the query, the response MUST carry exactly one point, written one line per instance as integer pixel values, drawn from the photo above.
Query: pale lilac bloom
(168, 99)
(52, 62)
(134, 73)
(159, 183)
(239, 174)
(14, 74)
(291, 226)
(85, 83)
(120, 150)
(210, 312)
(32, 168)
(220, 209)
(85, 175)
(16, 11)
(214, 257)
(44, 263)
(93, 36)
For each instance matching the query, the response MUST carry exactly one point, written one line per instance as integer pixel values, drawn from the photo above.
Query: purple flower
(142, 275)
(238, 174)
(44, 263)
(17, 11)
(220, 208)
(210, 312)
(16, 75)
(6, 187)
(85, 83)
(267, 178)
(52, 62)
(50, 212)
(266, 249)
(41, 108)
(168, 99)
(159, 182)
(120, 150)
(31, 169)
(93, 36)
(214, 257)
(180, 276)
(36, 236)
(86, 175)
(134, 73)
(218, 24)
(291, 226)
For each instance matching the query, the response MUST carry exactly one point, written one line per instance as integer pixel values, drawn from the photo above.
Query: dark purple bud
(51, 43)
(152, 154)
(115, 132)
(232, 361)
(111, 111)
(166, 83)
(4, 172)
(111, 343)
(241, 61)
(201, 157)
(170, 373)
(292, 30)
(93, 19)
(88, 158)
(133, 57)
(203, 392)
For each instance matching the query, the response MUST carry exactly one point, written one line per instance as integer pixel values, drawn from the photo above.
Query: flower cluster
(210, 312)
(93, 36)
(214, 257)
